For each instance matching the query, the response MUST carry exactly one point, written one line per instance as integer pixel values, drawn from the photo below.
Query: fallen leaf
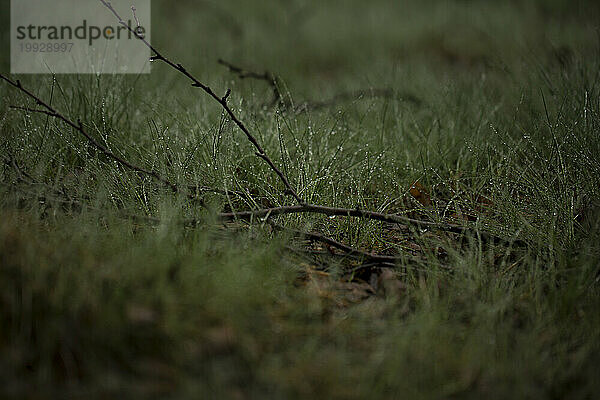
(420, 194)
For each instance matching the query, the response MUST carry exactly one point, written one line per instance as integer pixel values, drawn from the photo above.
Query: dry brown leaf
(420, 194)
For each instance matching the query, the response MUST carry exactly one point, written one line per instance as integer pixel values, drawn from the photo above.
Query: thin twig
(267, 213)
(243, 74)
(79, 127)
(49, 110)
(260, 152)
(267, 76)
(348, 250)
(342, 212)
(264, 76)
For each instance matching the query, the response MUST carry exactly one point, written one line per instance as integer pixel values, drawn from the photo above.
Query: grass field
(484, 115)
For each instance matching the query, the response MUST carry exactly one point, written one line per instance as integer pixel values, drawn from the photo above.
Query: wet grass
(495, 114)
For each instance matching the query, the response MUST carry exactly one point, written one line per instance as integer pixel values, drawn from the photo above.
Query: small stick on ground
(348, 250)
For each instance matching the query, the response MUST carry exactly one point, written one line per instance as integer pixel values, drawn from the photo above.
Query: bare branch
(348, 250)
(243, 74)
(221, 100)
(34, 110)
(49, 110)
(224, 98)
(267, 213)
(265, 76)
(342, 212)
(78, 125)
(309, 105)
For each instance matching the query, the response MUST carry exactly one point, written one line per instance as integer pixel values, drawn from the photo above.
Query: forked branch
(262, 76)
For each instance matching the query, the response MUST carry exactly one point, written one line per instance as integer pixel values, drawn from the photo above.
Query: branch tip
(224, 98)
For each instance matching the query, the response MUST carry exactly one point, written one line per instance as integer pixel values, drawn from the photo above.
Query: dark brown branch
(342, 212)
(34, 110)
(267, 213)
(63, 198)
(385, 93)
(348, 250)
(221, 100)
(264, 76)
(197, 189)
(49, 110)
(243, 74)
